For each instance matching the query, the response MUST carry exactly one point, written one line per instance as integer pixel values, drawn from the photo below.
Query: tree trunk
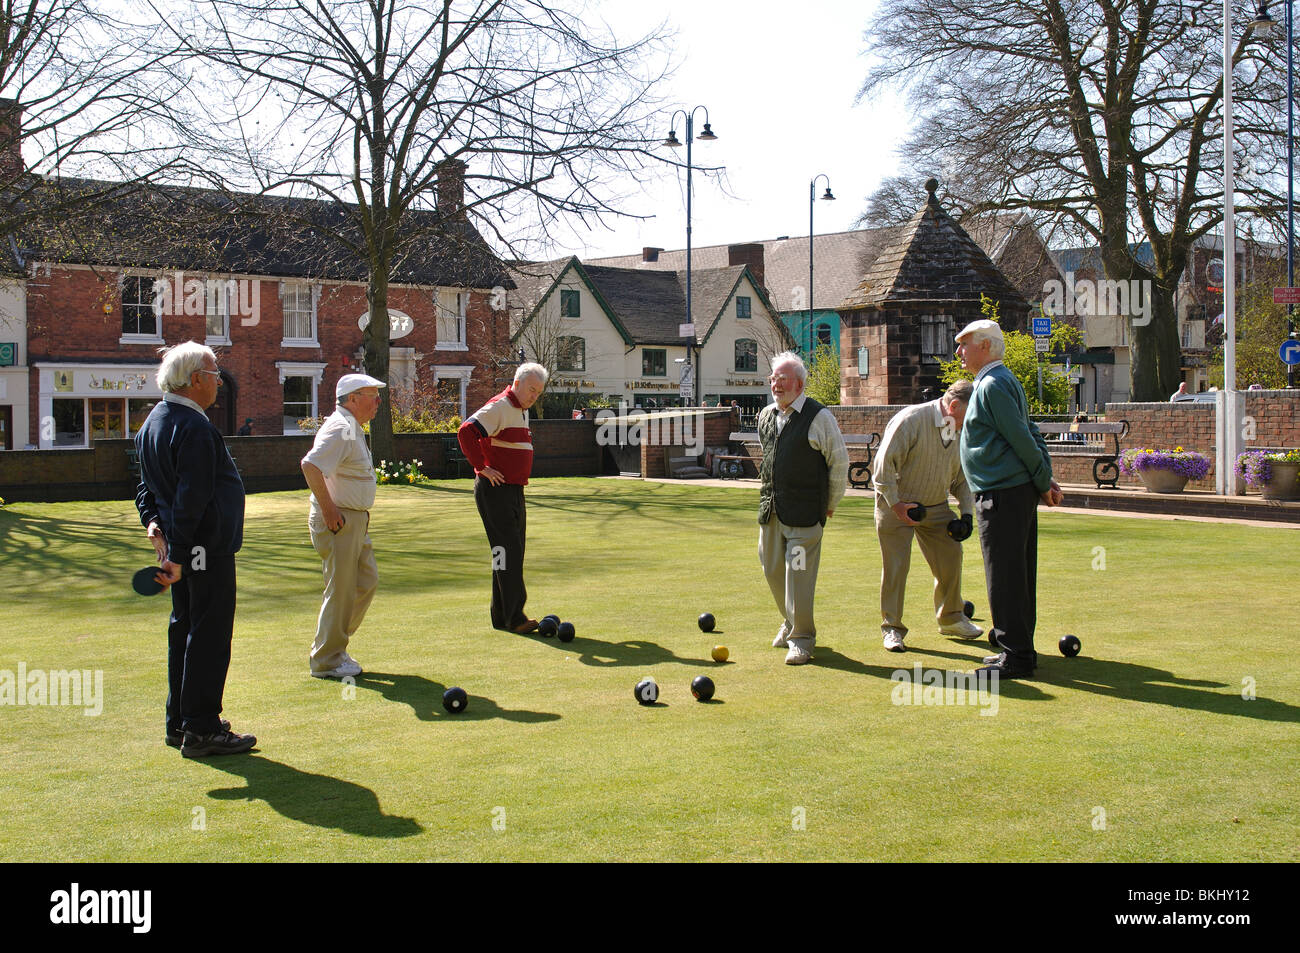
(375, 341)
(1156, 357)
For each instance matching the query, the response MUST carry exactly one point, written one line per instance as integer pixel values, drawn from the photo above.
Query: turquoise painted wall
(804, 331)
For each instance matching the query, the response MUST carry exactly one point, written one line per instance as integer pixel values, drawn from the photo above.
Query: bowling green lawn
(1172, 737)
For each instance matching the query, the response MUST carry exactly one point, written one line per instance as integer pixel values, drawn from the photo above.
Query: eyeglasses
(216, 374)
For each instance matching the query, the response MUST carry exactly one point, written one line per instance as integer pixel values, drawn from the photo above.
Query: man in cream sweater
(919, 462)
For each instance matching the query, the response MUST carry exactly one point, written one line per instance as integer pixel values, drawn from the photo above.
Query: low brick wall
(562, 448)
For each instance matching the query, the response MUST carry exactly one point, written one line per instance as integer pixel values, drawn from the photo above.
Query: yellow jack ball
(720, 653)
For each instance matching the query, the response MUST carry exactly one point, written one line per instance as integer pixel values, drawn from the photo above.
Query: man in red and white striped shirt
(497, 442)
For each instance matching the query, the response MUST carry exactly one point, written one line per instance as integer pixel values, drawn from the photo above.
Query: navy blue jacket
(189, 484)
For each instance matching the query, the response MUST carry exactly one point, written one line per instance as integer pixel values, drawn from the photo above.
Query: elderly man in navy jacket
(192, 502)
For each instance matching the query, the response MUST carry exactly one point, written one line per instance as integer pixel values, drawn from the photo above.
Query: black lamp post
(706, 135)
(828, 197)
(1263, 25)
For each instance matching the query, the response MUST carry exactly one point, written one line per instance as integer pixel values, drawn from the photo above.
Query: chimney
(750, 254)
(451, 189)
(649, 253)
(11, 140)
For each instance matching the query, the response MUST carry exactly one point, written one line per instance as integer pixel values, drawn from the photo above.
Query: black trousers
(502, 510)
(1008, 523)
(198, 646)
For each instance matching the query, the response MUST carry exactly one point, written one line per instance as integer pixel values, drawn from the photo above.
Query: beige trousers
(351, 577)
(941, 551)
(790, 556)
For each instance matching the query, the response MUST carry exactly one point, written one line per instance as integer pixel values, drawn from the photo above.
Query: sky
(779, 81)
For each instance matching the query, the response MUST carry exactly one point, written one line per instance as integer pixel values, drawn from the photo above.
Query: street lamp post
(828, 197)
(706, 135)
(1263, 25)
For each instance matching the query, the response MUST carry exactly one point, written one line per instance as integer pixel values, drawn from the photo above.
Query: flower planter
(1282, 485)
(1163, 481)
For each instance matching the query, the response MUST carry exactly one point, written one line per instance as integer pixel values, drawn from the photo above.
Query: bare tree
(1101, 118)
(86, 110)
(374, 105)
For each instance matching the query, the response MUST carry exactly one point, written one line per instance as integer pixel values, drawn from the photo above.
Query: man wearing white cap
(1009, 470)
(341, 475)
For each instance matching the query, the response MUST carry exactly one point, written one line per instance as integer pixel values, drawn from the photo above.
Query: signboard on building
(8, 353)
(1042, 327)
(1286, 295)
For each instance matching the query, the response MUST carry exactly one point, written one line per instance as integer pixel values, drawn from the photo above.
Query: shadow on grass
(425, 698)
(631, 652)
(314, 799)
(1140, 683)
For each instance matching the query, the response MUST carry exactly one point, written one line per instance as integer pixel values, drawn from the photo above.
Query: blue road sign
(1042, 327)
(1289, 352)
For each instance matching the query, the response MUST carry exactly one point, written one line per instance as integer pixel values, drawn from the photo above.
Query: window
(106, 419)
(138, 409)
(936, 339)
(216, 309)
(298, 402)
(299, 315)
(139, 315)
(864, 362)
(654, 362)
(746, 355)
(69, 422)
(299, 384)
(570, 304)
(742, 306)
(572, 354)
(452, 306)
(824, 335)
(447, 397)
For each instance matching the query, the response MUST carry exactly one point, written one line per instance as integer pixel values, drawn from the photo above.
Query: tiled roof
(932, 258)
(204, 230)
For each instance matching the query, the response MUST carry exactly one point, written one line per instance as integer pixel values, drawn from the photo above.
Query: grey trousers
(941, 552)
(790, 556)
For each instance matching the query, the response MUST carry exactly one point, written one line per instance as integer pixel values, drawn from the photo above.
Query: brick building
(922, 288)
(269, 283)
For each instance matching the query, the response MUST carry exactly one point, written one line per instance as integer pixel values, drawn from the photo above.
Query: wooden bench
(453, 457)
(1098, 440)
(859, 472)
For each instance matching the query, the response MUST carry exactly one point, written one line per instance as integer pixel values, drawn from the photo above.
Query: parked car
(1204, 397)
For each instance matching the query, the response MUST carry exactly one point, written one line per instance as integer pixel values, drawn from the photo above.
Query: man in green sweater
(1009, 470)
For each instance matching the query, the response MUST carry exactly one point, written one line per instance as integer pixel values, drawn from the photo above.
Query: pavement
(1131, 502)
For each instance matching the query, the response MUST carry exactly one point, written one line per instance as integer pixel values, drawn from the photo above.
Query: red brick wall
(67, 321)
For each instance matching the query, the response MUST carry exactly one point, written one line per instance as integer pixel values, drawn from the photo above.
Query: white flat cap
(989, 329)
(350, 382)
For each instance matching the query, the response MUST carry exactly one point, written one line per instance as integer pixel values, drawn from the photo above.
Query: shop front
(78, 403)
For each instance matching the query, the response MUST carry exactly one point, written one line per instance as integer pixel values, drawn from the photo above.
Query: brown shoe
(523, 628)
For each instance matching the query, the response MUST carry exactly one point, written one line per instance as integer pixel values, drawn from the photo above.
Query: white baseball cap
(350, 382)
(989, 328)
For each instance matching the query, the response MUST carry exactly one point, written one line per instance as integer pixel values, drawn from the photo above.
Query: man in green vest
(803, 474)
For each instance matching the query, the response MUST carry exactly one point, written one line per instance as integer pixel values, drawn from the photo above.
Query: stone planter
(1282, 485)
(1163, 481)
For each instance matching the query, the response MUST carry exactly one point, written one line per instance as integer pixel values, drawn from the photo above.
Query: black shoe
(175, 739)
(222, 742)
(1006, 669)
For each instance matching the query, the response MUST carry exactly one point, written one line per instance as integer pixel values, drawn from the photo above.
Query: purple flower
(1188, 463)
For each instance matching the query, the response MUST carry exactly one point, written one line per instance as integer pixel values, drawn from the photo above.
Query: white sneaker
(800, 651)
(894, 641)
(345, 669)
(782, 637)
(965, 629)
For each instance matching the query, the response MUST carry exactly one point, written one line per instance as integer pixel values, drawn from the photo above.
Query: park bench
(453, 456)
(732, 465)
(1098, 440)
